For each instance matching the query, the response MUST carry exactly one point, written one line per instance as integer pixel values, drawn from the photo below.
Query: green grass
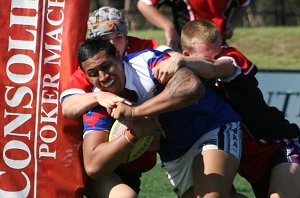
(268, 48)
(155, 184)
(272, 47)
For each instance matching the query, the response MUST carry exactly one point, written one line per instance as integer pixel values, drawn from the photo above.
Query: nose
(102, 75)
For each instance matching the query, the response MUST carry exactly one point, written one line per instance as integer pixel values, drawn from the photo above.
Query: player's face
(205, 50)
(118, 40)
(105, 72)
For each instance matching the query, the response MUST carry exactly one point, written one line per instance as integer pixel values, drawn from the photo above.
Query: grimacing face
(105, 72)
(204, 50)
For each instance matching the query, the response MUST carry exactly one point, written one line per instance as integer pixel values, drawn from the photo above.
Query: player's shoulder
(150, 2)
(137, 44)
(230, 50)
(78, 73)
(147, 55)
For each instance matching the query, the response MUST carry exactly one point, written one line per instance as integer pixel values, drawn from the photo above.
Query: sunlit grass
(267, 47)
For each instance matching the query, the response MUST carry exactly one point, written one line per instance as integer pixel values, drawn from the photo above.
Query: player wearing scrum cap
(104, 159)
(206, 131)
(78, 97)
(109, 23)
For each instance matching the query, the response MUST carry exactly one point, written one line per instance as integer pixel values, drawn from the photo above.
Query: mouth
(109, 82)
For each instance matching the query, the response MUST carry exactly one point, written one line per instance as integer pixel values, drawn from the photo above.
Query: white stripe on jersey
(147, 2)
(70, 92)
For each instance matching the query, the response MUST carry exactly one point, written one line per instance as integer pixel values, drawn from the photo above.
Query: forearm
(208, 69)
(106, 157)
(237, 16)
(183, 89)
(78, 104)
(154, 16)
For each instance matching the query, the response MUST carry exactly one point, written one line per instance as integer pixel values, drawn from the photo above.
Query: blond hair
(200, 30)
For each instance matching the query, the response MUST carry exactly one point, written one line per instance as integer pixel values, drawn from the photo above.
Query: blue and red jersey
(139, 78)
(79, 82)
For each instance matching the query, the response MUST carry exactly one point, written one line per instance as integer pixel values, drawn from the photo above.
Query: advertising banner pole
(40, 149)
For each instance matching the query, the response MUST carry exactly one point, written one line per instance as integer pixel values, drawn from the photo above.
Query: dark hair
(91, 46)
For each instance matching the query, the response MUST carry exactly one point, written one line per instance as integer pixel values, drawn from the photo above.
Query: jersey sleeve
(151, 58)
(143, 62)
(153, 62)
(78, 84)
(149, 2)
(237, 69)
(97, 119)
(238, 59)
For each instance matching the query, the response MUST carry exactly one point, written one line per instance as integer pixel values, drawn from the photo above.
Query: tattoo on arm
(183, 84)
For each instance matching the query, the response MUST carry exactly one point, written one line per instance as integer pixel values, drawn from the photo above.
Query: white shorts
(227, 138)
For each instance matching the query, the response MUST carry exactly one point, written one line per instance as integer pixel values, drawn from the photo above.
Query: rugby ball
(139, 148)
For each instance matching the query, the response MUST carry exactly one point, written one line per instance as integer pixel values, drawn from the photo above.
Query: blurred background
(260, 13)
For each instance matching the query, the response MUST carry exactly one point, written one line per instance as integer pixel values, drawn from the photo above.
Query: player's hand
(109, 100)
(164, 71)
(144, 126)
(122, 111)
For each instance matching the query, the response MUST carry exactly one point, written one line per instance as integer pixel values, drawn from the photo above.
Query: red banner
(40, 149)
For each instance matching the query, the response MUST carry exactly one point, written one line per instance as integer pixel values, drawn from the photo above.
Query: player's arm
(155, 17)
(76, 99)
(76, 105)
(235, 18)
(102, 157)
(222, 68)
(207, 69)
(183, 89)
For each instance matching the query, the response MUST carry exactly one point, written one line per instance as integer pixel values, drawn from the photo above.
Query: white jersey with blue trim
(138, 72)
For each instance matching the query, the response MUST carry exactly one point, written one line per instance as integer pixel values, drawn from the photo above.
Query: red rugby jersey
(247, 67)
(184, 11)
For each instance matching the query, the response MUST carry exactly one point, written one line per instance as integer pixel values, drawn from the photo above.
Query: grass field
(271, 47)
(155, 184)
(268, 48)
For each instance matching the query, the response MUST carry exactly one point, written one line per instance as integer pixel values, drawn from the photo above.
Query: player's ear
(118, 56)
(185, 53)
